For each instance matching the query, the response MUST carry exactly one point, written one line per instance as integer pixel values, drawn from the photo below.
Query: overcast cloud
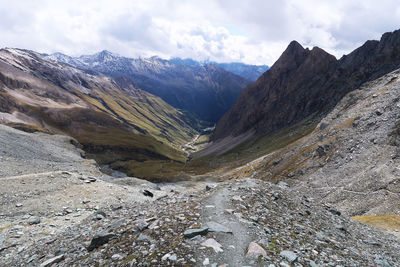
(254, 32)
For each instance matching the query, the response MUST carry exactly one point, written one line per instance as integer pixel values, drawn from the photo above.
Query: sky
(252, 32)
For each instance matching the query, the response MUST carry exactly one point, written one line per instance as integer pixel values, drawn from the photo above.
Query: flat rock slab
(212, 243)
(290, 256)
(52, 261)
(217, 227)
(189, 233)
(255, 250)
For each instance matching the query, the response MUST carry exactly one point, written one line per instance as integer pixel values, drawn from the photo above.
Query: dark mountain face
(306, 84)
(206, 91)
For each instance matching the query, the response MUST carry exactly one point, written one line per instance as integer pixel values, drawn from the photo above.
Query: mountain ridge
(371, 60)
(206, 91)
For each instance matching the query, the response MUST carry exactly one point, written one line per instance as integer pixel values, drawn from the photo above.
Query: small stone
(173, 257)
(290, 256)
(115, 257)
(143, 237)
(147, 193)
(169, 256)
(211, 243)
(52, 261)
(254, 251)
(92, 179)
(18, 205)
(142, 225)
(34, 220)
(85, 201)
(237, 198)
(206, 262)
(313, 264)
(60, 251)
(208, 188)
(229, 211)
(267, 230)
(334, 211)
(189, 233)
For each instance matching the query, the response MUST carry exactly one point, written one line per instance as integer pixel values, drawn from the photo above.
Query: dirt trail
(234, 245)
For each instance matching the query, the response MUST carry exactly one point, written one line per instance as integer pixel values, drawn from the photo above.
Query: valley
(113, 161)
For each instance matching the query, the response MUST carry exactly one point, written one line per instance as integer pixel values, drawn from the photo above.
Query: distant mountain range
(205, 90)
(250, 72)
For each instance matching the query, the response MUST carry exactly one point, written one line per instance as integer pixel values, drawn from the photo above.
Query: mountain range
(205, 90)
(111, 118)
(250, 72)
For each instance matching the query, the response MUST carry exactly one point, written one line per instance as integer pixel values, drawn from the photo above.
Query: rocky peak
(280, 96)
(304, 83)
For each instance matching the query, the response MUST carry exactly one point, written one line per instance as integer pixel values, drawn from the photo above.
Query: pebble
(34, 220)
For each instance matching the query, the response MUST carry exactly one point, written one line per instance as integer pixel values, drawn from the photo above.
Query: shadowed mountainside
(306, 84)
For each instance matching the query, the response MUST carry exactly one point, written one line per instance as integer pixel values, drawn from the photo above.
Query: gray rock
(313, 264)
(142, 225)
(52, 261)
(382, 263)
(290, 256)
(115, 257)
(254, 251)
(143, 237)
(189, 233)
(217, 227)
(34, 220)
(2, 239)
(100, 239)
(60, 251)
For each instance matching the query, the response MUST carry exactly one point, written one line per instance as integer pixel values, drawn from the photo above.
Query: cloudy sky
(254, 32)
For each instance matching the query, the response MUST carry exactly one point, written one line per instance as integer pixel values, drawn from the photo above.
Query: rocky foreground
(57, 209)
(236, 223)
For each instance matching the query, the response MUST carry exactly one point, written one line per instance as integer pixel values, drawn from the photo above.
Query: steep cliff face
(282, 96)
(306, 84)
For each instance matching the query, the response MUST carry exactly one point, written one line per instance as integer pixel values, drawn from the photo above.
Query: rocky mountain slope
(306, 84)
(113, 119)
(350, 160)
(250, 72)
(206, 91)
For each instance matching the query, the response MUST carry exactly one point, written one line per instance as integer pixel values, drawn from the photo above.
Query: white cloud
(248, 31)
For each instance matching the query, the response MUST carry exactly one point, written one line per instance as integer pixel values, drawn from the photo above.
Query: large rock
(217, 227)
(254, 251)
(100, 239)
